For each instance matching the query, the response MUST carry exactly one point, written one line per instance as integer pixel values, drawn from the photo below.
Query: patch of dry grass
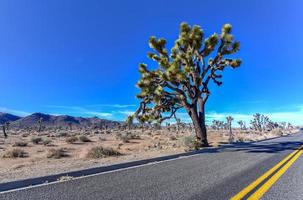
(36, 140)
(56, 153)
(71, 139)
(15, 153)
(20, 144)
(102, 152)
(127, 136)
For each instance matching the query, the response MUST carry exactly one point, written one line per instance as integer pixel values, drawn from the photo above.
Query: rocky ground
(24, 154)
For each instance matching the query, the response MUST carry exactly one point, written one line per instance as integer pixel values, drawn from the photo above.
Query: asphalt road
(218, 174)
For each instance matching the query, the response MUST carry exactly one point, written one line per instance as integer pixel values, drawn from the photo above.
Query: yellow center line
(254, 184)
(266, 186)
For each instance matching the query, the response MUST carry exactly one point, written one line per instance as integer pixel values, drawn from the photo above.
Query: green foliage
(46, 141)
(187, 141)
(84, 138)
(71, 139)
(183, 74)
(36, 140)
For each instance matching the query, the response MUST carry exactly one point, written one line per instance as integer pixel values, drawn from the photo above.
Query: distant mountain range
(5, 117)
(54, 121)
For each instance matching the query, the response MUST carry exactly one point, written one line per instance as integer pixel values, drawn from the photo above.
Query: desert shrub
(36, 140)
(172, 137)
(102, 152)
(84, 138)
(277, 131)
(71, 139)
(47, 141)
(63, 134)
(25, 135)
(125, 137)
(134, 136)
(15, 153)
(56, 153)
(189, 142)
(20, 144)
(240, 139)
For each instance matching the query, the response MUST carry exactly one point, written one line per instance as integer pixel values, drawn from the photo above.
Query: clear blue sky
(80, 57)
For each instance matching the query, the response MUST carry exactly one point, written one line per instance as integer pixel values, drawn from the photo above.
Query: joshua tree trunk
(230, 133)
(4, 132)
(198, 119)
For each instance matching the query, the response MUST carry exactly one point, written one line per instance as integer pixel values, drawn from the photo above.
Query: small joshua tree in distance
(182, 78)
(40, 121)
(229, 120)
(4, 130)
(241, 124)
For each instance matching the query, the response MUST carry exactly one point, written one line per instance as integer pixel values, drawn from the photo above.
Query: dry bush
(15, 153)
(84, 138)
(102, 152)
(63, 134)
(102, 139)
(47, 141)
(277, 131)
(71, 139)
(172, 137)
(188, 142)
(240, 139)
(20, 144)
(36, 140)
(56, 153)
(25, 135)
(123, 137)
(127, 136)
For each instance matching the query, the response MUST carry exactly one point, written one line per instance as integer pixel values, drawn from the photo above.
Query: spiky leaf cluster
(183, 74)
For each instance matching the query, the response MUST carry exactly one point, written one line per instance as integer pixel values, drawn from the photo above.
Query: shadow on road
(272, 147)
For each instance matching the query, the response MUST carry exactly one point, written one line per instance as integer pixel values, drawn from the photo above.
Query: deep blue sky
(81, 57)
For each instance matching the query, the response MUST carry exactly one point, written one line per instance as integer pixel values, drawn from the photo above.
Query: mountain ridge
(49, 120)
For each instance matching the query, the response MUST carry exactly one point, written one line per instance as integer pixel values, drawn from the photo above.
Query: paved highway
(270, 169)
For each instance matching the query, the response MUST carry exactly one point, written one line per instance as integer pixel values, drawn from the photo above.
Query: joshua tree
(178, 124)
(220, 124)
(129, 122)
(256, 122)
(241, 123)
(289, 126)
(229, 120)
(215, 124)
(70, 125)
(182, 78)
(40, 121)
(262, 123)
(4, 130)
(283, 125)
(7, 124)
